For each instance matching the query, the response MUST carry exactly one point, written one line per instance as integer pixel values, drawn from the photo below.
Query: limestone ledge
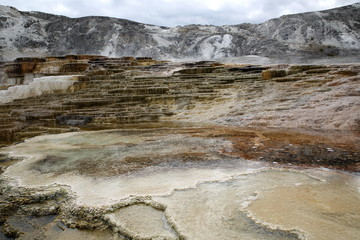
(116, 91)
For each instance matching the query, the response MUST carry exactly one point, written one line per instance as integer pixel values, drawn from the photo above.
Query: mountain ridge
(334, 32)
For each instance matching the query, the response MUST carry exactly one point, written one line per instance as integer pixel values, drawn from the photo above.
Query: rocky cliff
(334, 32)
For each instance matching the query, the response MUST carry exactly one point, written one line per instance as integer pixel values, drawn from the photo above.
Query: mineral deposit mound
(99, 147)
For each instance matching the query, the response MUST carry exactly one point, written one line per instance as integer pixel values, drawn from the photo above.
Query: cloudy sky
(178, 12)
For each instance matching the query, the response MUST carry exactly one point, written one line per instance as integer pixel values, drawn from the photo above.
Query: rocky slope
(164, 154)
(334, 32)
(108, 92)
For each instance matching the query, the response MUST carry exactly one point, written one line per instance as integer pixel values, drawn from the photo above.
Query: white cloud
(62, 9)
(178, 12)
(214, 5)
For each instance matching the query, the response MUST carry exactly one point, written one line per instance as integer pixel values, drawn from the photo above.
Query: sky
(178, 12)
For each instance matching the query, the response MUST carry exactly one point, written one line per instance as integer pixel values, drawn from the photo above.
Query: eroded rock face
(112, 91)
(318, 34)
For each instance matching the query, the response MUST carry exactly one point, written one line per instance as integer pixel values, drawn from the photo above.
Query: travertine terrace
(148, 149)
(65, 94)
(246, 131)
(98, 92)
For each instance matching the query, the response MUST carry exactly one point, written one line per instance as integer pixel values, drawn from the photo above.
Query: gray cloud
(178, 12)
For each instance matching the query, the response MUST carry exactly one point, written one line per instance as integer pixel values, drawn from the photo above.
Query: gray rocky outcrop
(334, 32)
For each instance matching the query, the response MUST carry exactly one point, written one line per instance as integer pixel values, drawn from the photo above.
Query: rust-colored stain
(335, 149)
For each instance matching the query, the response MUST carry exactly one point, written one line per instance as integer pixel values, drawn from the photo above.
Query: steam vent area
(93, 147)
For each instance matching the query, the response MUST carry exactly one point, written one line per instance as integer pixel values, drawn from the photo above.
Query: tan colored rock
(273, 73)
(113, 91)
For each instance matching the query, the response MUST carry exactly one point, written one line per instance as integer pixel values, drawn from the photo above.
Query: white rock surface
(39, 86)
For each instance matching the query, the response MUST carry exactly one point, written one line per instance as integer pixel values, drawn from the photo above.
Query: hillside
(334, 32)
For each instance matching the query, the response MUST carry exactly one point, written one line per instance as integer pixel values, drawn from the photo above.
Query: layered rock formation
(168, 149)
(108, 92)
(333, 32)
(180, 134)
